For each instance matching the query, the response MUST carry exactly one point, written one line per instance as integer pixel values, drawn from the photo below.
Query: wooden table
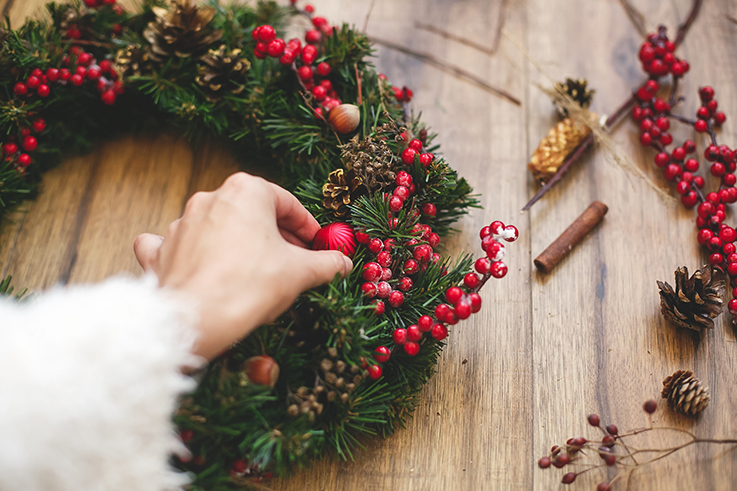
(546, 350)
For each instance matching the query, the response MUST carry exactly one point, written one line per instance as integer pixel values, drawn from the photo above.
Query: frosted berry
(383, 289)
(399, 336)
(375, 246)
(496, 227)
(403, 179)
(498, 269)
(411, 348)
(422, 253)
(382, 354)
(386, 274)
(396, 298)
(475, 300)
(483, 265)
(395, 203)
(495, 251)
(369, 290)
(379, 307)
(371, 271)
(411, 266)
(429, 209)
(439, 332)
(401, 192)
(405, 284)
(408, 156)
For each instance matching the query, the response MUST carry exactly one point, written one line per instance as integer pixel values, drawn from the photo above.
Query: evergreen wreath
(347, 360)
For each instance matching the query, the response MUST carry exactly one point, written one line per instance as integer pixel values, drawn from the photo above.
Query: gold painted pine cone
(560, 142)
(221, 72)
(338, 191)
(685, 393)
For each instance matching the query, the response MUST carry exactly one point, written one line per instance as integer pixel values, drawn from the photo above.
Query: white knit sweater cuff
(89, 379)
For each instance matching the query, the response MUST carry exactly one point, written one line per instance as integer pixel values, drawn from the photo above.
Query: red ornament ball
(336, 236)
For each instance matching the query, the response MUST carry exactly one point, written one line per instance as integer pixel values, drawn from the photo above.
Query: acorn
(262, 370)
(345, 118)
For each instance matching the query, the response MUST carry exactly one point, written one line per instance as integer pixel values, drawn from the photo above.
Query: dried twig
(683, 28)
(636, 17)
(454, 37)
(730, 18)
(368, 15)
(448, 68)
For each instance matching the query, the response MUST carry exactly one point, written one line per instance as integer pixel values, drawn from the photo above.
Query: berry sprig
(680, 164)
(462, 300)
(612, 451)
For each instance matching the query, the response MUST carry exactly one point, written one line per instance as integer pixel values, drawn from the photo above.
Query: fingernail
(348, 265)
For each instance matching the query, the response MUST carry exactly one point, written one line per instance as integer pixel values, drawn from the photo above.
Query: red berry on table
(424, 323)
(24, 160)
(450, 318)
(396, 298)
(379, 307)
(411, 266)
(30, 143)
(374, 372)
(650, 406)
(309, 54)
(475, 300)
(706, 93)
(662, 159)
(698, 181)
(411, 348)
(20, 89)
(408, 156)
(594, 420)
(369, 290)
(728, 234)
(323, 69)
(44, 90)
(569, 478)
(399, 336)
(720, 118)
(463, 309)
(700, 126)
(689, 200)
(544, 462)
(429, 209)
(382, 354)
(405, 284)
(414, 333)
(471, 280)
(439, 332)
(453, 295)
(646, 139)
(678, 153)
(498, 269)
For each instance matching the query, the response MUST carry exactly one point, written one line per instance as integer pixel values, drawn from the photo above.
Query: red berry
(422, 253)
(429, 209)
(471, 280)
(433, 239)
(483, 265)
(10, 148)
(275, 48)
(475, 300)
(371, 272)
(375, 246)
(603, 486)
(720, 118)
(44, 90)
(405, 284)
(369, 290)
(690, 199)
(374, 372)
(689, 146)
(265, 34)
(30, 143)
(108, 97)
(463, 309)
(544, 462)
(309, 53)
(383, 289)
(24, 160)
(594, 420)
(569, 478)
(411, 348)
(706, 93)
(408, 156)
(411, 266)
(414, 333)
(378, 307)
(662, 159)
(728, 234)
(287, 58)
(650, 406)
(20, 89)
(401, 192)
(715, 259)
(77, 79)
(404, 179)
(441, 311)
(399, 336)
(498, 269)
(439, 332)
(313, 37)
(678, 153)
(692, 165)
(424, 323)
(426, 159)
(323, 69)
(396, 298)
(561, 460)
(453, 295)
(382, 354)
(700, 126)
(646, 139)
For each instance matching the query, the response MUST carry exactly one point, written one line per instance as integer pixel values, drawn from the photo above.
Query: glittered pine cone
(339, 191)
(685, 393)
(133, 60)
(695, 301)
(560, 142)
(182, 30)
(578, 91)
(222, 72)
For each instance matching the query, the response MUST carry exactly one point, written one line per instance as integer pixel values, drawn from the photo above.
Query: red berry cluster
(242, 469)
(414, 150)
(656, 55)
(680, 164)
(462, 300)
(13, 155)
(302, 59)
(402, 94)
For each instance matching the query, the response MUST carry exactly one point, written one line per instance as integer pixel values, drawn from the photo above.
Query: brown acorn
(345, 118)
(262, 370)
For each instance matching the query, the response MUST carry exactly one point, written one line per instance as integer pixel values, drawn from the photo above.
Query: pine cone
(339, 191)
(578, 91)
(695, 301)
(182, 31)
(133, 60)
(372, 161)
(223, 72)
(561, 140)
(685, 393)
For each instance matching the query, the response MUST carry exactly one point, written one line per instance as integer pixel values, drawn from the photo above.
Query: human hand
(240, 252)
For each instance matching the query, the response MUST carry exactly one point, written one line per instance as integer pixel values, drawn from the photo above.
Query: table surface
(546, 350)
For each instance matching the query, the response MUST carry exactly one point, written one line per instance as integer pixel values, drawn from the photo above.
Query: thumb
(322, 266)
(146, 247)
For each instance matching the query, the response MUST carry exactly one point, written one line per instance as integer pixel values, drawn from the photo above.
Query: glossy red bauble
(336, 236)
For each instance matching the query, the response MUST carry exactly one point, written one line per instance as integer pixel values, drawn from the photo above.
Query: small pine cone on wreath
(133, 60)
(222, 72)
(685, 393)
(339, 191)
(182, 30)
(696, 301)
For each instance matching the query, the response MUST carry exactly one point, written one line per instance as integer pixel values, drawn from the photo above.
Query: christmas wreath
(346, 360)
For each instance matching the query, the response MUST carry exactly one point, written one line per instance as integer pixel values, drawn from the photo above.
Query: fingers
(146, 247)
(320, 267)
(292, 216)
(292, 239)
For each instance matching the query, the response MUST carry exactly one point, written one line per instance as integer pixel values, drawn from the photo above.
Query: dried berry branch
(612, 450)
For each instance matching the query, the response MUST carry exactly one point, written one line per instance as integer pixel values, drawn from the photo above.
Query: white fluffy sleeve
(89, 378)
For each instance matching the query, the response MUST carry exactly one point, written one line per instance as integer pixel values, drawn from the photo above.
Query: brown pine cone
(695, 301)
(223, 72)
(578, 91)
(133, 60)
(685, 393)
(561, 141)
(339, 191)
(181, 31)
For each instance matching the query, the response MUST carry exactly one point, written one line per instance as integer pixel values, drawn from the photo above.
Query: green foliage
(6, 290)
(272, 123)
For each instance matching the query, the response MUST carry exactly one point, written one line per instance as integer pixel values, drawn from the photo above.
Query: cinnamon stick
(563, 245)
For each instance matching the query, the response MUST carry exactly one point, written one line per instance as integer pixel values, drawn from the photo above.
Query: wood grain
(546, 350)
